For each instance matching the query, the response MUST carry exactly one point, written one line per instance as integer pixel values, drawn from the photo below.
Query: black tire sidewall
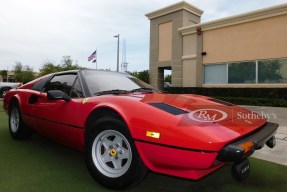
(136, 171)
(237, 169)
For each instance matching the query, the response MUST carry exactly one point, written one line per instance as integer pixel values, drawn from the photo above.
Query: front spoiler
(234, 153)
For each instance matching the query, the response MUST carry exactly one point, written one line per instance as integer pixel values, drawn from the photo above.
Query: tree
(4, 73)
(18, 68)
(23, 73)
(167, 78)
(49, 67)
(28, 74)
(142, 75)
(65, 65)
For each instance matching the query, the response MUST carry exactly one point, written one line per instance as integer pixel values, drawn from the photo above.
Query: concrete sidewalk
(279, 153)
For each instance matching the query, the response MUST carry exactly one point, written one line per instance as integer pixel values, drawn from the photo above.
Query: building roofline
(182, 5)
(237, 19)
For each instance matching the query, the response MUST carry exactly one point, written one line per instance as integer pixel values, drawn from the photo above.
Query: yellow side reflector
(85, 100)
(153, 134)
(247, 146)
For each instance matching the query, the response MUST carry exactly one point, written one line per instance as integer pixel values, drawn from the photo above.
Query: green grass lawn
(41, 165)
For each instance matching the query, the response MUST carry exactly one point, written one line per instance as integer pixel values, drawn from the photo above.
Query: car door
(57, 119)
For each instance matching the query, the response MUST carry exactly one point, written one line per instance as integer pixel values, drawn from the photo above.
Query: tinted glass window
(248, 72)
(41, 84)
(77, 90)
(62, 82)
(272, 71)
(243, 72)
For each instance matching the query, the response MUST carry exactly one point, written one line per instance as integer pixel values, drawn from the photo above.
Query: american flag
(93, 57)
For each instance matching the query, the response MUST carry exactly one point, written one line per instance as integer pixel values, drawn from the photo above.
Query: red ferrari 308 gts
(125, 127)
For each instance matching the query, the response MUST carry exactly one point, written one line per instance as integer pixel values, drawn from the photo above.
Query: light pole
(7, 79)
(118, 36)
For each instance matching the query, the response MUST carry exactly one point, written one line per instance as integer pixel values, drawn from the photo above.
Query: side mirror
(58, 95)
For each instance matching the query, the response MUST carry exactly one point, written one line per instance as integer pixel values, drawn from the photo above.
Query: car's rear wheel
(18, 129)
(111, 155)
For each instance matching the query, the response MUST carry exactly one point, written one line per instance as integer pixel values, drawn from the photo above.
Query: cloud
(34, 31)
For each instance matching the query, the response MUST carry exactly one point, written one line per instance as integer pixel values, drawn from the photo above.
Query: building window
(215, 74)
(242, 73)
(249, 72)
(272, 71)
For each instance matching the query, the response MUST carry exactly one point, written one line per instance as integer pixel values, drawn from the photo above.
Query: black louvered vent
(168, 108)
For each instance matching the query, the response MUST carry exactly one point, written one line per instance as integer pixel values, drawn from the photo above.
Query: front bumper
(235, 153)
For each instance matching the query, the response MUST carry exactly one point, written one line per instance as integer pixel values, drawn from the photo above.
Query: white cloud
(34, 31)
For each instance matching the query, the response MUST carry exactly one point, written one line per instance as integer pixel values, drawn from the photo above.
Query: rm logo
(207, 115)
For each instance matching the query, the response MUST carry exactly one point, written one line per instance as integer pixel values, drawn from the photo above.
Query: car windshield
(104, 82)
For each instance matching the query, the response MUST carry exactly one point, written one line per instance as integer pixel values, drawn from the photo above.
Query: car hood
(222, 121)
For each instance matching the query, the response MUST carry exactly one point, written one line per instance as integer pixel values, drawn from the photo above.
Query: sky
(34, 32)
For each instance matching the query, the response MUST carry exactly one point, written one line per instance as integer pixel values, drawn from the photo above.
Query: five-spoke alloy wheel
(14, 120)
(111, 155)
(18, 129)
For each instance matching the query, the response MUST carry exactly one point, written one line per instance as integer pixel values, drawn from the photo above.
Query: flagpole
(96, 58)
(93, 58)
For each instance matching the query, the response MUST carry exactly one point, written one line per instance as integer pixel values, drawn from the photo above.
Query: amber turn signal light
(247, 146)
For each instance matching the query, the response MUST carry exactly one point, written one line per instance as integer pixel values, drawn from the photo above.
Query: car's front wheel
(111, 155)
(18, 129)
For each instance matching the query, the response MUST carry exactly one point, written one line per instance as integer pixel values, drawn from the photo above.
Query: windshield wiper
(143, 89)
(115, 92)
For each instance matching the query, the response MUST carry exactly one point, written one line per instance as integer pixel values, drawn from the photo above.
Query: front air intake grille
(168, 108)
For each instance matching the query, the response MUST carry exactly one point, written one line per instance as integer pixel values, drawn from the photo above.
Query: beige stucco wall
(165, 41)
(189, 73)
(189, 60)
(259, 39)
(189, 45)
(192, 60)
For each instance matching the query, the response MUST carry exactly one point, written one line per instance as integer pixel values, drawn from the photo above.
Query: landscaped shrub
(232, 92)
(276, 97)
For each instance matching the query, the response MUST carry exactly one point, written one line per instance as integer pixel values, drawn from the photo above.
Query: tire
(111, 156)
(241, 170)
(18, 130)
